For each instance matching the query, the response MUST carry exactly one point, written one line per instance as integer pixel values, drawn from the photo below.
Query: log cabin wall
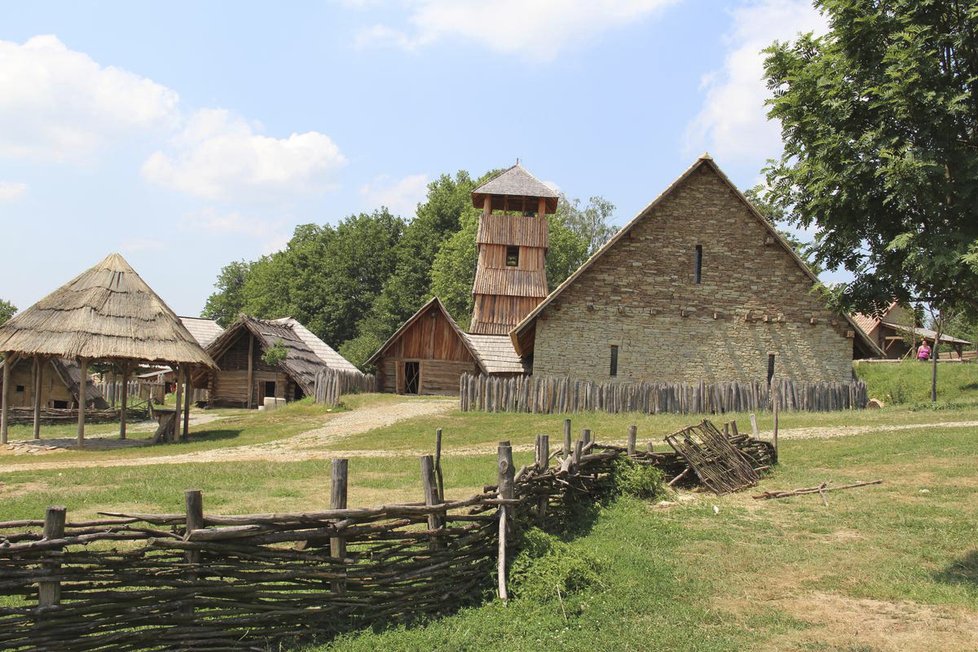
(229, 384)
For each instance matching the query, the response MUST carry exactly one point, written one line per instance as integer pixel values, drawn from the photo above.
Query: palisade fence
(547, 394)
(195, 580)
(331, 384)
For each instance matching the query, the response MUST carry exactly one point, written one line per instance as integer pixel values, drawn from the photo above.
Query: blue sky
(186, 135)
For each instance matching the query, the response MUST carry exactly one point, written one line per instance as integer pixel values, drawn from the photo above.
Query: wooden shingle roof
(515, 182)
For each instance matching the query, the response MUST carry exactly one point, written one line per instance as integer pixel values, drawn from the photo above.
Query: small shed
(429, 353)
(244, 378)
(895, 331)
(58, 379)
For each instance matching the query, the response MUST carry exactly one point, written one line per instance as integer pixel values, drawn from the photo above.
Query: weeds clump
(547, 568)
(638, 480)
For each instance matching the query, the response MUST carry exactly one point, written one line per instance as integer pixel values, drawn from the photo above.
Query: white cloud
(58, 104)
(401, 196)
(231, 223)
(538, 30)
(732, 123)
(221, 156)
(11, 190)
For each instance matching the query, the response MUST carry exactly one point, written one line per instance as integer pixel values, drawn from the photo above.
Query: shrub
(638, 480)
(547, 568)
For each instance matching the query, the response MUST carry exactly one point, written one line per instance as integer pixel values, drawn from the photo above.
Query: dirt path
(304, 446)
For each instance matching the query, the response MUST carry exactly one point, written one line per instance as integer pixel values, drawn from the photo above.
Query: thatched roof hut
(106, 313)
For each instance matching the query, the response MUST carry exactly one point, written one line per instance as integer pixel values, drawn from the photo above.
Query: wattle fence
(331, 384)
(196, 581)
(547, 395)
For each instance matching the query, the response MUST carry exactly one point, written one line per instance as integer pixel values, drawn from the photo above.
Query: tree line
(355, 282)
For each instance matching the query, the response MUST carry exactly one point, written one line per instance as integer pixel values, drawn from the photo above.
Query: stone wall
(641, 296)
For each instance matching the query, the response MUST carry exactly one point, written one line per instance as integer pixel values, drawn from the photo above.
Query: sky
(186, 135)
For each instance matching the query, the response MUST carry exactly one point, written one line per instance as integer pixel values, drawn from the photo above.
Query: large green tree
(227, 302)
(7, 310)
(879, 119)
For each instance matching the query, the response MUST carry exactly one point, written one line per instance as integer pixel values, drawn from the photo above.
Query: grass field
(889, 567)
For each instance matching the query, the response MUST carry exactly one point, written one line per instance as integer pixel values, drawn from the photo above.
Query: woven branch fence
(546, 395)
(201, 581)
(331, 384)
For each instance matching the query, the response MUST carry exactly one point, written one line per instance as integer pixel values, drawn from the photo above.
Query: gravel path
(291, 449)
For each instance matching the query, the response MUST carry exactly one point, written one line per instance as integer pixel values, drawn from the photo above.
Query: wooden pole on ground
(194, 501)
(438, 473)
(179, 397)
(337, 500)
(4, 402)
(125, 400)
(567, 438)
(49, 592)
(543, 452)
(506, 477)
(38, 371)
(776, 410)
(186, 404)
(632, 439)
(82, 399)
(753, 425)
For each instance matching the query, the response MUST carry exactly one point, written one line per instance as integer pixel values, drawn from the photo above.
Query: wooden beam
(188, 395)
(251, 371)
(179, 404)
(82, 389)
(38, 371)
(125, 400)
(4, 402)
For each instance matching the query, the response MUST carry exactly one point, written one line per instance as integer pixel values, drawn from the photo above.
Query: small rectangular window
(20, 388)
(698, 268)
(770, 367)
(512, 256)
(614, 360)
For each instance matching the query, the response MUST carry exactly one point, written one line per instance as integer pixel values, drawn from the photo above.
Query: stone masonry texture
(641, 295)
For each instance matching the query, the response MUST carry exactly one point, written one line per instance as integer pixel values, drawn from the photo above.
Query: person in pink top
(923, 352)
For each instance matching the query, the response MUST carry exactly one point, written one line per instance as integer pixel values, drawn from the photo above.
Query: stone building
(698, 286)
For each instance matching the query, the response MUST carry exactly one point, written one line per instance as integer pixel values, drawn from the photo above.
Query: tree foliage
(778, 218)
(879, 124)
(7, 310)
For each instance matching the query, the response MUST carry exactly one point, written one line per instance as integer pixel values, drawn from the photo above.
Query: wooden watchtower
(511, 276)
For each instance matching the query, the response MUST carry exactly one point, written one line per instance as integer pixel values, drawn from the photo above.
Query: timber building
(243, 377)
(56, 380)
(894, 329)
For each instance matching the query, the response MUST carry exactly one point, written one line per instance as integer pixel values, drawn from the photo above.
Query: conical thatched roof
(106, 313)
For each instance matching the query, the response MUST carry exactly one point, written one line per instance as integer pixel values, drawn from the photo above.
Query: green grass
(909, 382)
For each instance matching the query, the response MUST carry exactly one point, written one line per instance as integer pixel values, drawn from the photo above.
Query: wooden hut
(58, 386)
(894, 329)
(245, 377)
(429, 353)
(109, 314)
(511, 275)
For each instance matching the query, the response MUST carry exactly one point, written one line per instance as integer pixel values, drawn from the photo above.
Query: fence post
(506, 477)
(632, 437)
(586, 436)
(430, 487)
(567, 438)
(49, 591)
(438, 473)
(543, 450)
(753, 425)
(194, 502)
(337, 500)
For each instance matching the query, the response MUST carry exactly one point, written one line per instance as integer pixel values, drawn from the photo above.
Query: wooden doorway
(412, 377)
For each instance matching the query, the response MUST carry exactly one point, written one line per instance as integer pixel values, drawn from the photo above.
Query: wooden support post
(578, 452)
(586, 436)
(567, 438)
(337, 500)
(194, 501)
(753, 425)
(49, 591)
(82, 400)
(188, 393)
(38, 372)
(650, 448)
(430, 487)
(5, 401)
(775, 442)
(125, 400)
(438, 474)
(178, 396)
(543, 446)
(632, 437)
(251, 370)
(733, 429)
(506, 478)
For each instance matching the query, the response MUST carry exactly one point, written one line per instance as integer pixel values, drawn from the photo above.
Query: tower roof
(515, 182)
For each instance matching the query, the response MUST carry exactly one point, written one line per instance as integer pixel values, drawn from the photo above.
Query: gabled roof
(515, 182)
(704, 160)
(204, 330)
(108, 312)
(925, 333)
(322, 350)
(301, 362)
(433, 302)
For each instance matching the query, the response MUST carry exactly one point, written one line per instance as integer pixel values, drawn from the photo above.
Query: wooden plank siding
(494, 256)
(504, 229)
(497, 315)
(229, 384)
(511, 282)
